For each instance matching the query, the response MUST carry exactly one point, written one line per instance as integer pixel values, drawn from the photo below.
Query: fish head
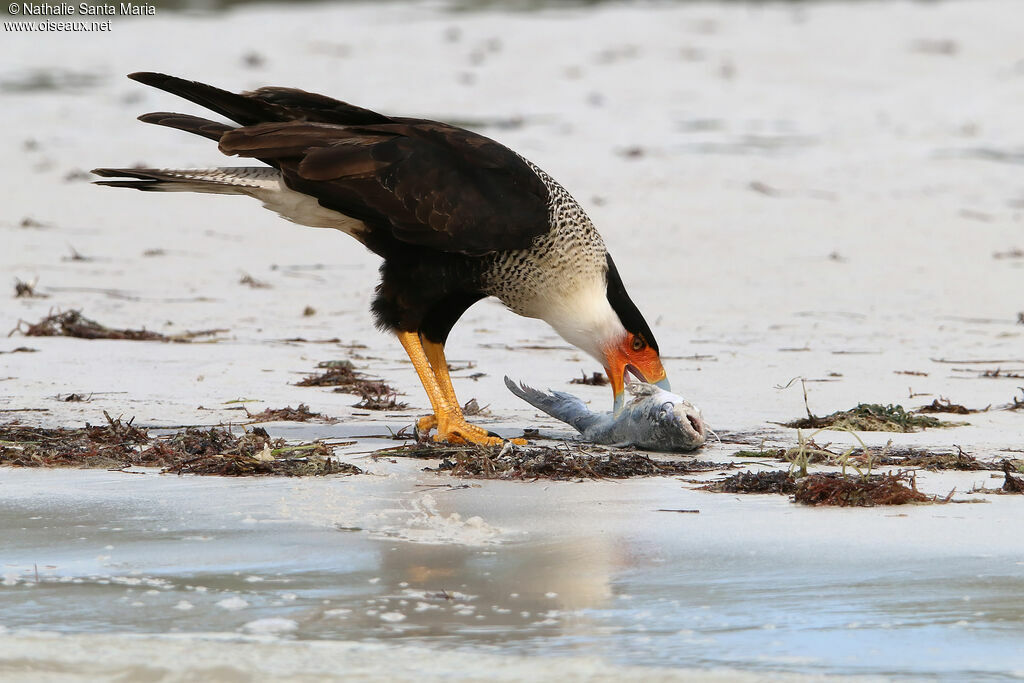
(675, 423)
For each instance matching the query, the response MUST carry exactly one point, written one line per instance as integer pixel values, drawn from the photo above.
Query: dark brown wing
(432, 185)
(264, 104)
(312, 107)
(428, 183)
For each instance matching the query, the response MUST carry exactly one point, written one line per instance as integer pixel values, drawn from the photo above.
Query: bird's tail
(243, 180)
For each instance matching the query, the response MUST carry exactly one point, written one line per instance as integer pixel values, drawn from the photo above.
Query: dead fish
(652, 419)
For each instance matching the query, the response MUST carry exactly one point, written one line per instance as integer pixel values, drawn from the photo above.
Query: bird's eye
(639, 344)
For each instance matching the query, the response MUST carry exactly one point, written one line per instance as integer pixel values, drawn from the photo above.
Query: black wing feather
(188, 123)
(239, 108)
(425, 183)
(314, 107)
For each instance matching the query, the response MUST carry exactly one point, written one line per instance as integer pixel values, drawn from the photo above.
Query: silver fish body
(652, 419)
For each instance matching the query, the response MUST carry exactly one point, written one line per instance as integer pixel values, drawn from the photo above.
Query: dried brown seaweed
(21, 349)
(1016, 403)
(211, 451)
(1011, 483)
(930, 460)
(871, 417)
(374, 394)
(74, 324)
(544, 462)
(776, 481)
(343, 375)
(834, 489)
(288, 414)
(379, 396)
(905, 458)
(596, 379)
(999, 373)
(250, 281)
(113, 445)
(944, 405)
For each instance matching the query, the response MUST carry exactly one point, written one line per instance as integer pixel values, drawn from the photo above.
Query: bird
(456, 217)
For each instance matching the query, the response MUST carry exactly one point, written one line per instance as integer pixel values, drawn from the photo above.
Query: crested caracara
(456, 217)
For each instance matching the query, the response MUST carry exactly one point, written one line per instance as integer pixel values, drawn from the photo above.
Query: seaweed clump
(596, 379)
(118, 445)
(288, 414)
(1013, 484)
(217, 451)
(933, 460)
(374, 394)
(838, 488)
(336, 373)
(114, 445)
(944, 405)
(379, 398)
(1015, 404)
(835, 489)
(871, 417)
(812, 453)
(777, 481)
(74, 324)
(543, 462)
(831, 489)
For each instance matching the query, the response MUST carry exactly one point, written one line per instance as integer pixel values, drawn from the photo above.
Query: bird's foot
(455, 429)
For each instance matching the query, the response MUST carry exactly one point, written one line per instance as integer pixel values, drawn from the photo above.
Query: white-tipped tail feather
(260, 182)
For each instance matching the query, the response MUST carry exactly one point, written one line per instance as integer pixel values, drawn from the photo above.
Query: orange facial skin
(631, 353)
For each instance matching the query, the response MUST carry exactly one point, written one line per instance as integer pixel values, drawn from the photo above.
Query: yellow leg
(439, 364)
(451, 426)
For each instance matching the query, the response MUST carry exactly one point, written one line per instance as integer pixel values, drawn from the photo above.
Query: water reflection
(110, 553)
(220, 563)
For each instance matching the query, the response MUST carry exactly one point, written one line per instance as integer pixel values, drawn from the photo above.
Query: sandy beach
(832, 192)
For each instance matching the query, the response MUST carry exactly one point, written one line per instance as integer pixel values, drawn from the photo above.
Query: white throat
(584, 318)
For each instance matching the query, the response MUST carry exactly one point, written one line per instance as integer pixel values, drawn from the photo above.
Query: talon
(457, 430)
(459, 438)
(425, 424)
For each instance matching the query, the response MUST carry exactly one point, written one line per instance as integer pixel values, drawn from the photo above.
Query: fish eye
(639, 344)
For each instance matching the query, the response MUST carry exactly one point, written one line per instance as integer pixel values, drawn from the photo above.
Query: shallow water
(488, 568)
